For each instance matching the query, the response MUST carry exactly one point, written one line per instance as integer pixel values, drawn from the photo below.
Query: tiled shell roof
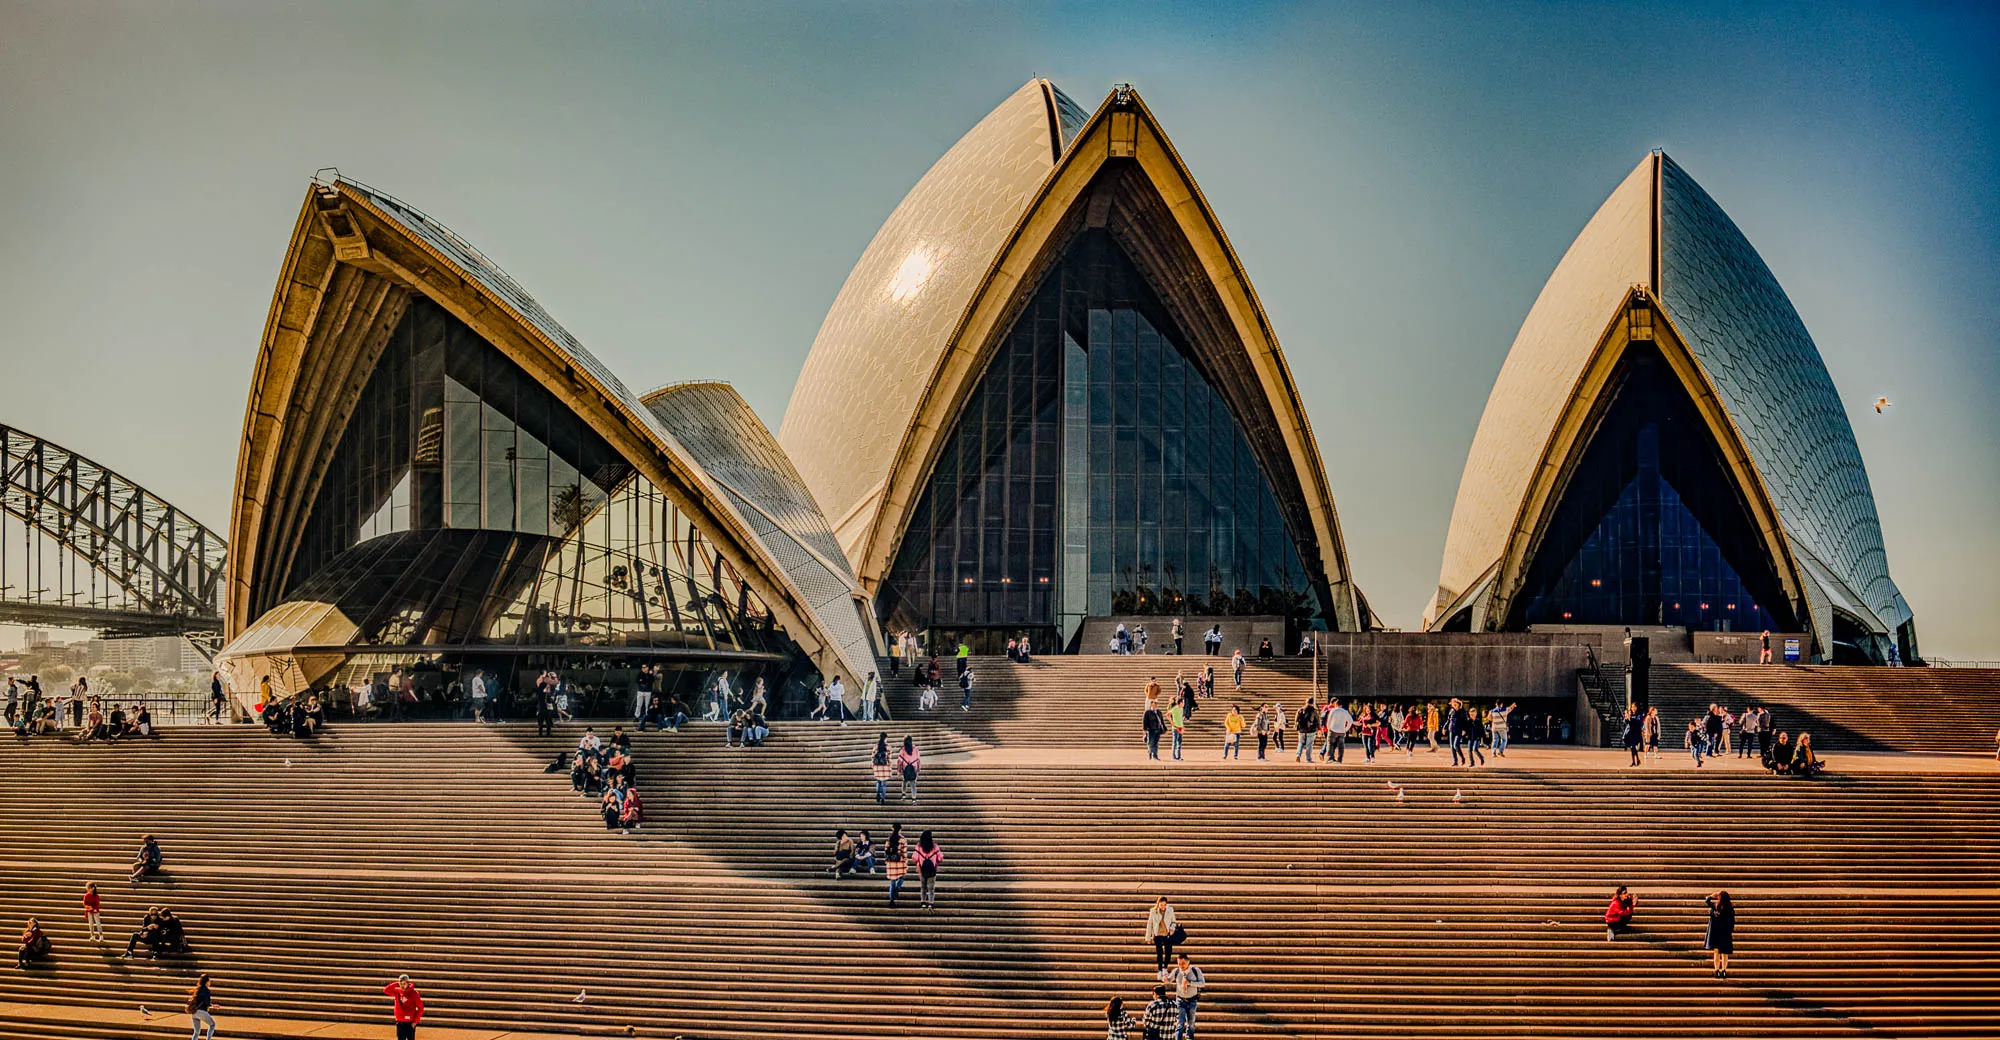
(888, 327)
(1748, 338)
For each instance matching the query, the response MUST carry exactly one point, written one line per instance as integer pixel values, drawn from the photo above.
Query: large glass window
(465, 506)
(1650, 529)
(1094, 470)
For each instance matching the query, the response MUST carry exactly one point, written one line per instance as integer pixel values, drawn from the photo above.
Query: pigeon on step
(578, 999)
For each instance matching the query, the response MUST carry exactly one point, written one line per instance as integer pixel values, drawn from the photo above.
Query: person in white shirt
(836, 699)
(477, 688)
(1338, 721)
(1187, 981)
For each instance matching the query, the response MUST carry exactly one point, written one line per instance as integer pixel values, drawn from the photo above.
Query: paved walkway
(176, 1023)
(1519, 759)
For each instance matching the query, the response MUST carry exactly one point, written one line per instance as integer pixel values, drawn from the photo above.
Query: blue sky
(685, 188)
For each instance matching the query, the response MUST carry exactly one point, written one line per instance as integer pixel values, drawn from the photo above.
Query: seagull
(1458, 794)
(578, 999)
(1881, 403)
(288, 763)
(1552, 923)
(144, 1011)
(1399, 794)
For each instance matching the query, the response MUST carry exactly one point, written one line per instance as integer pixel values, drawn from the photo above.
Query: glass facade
(1094, 469)
(1651, 529)
(465, 506)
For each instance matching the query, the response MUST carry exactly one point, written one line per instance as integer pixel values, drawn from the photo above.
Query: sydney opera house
(1047, 393)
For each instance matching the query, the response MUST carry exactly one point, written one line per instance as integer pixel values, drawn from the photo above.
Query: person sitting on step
(35, 945)
(611, 804)
(1778, 756)
(148, 933)
(147, 863)
(843, 855)
(739, 725)
(173, 934)
(864, 854)
(1804, 762)
(633, 813)
(756, 730)
(1618, 914)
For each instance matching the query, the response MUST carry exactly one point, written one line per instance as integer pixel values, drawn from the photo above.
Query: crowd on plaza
(1324, 730)
(1715, 731)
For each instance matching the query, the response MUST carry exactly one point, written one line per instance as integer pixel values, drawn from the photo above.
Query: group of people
(855, 855)
(86, 716)
(1719, 940)
(929, 679)
(903, 765)
(1712, 733)
(835, 702)
(302, 716)
(1325, 730)
(605, 769)
(1178, 985)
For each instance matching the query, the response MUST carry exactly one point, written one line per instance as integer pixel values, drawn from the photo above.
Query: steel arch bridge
(83, 547)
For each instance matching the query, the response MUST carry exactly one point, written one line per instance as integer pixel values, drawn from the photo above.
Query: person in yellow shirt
(1431, 725)
(1232, 733)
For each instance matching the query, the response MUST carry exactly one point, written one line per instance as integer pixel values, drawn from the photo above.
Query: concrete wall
(1416, 665)
(1745, 647)
(1237, 632)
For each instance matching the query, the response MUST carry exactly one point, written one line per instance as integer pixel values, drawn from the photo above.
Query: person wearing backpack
(909, 762)
(1187, 982)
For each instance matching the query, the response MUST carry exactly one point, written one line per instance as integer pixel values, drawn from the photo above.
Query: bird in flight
(1881, 403)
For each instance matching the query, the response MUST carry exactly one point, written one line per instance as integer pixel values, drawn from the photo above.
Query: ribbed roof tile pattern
(1729, 308)
(744, 461)
(1748, 339)
(888, 327)
(1576, 305)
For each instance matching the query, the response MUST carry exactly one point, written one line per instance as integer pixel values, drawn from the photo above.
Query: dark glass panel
(1167, 470)
(1650, 528)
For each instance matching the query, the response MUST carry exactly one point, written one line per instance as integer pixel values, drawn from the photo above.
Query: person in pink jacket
(927, 857)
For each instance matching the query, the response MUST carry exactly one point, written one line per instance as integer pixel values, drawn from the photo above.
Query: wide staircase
(1845, 708)
(1396, 899)
(1095, 699)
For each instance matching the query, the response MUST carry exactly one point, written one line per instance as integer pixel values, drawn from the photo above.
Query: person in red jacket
(1618, 915)
(409, 1006)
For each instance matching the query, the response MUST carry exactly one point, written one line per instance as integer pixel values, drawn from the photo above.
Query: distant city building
(1664, 446)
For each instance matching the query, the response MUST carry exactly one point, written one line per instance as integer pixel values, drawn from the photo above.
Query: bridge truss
(83, 547)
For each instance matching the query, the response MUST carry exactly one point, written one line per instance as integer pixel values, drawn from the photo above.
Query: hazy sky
(686, 187)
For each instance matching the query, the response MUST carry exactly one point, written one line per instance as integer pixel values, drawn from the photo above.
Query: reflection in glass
(1093, 439)
(1651, 529)
(493, 516)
